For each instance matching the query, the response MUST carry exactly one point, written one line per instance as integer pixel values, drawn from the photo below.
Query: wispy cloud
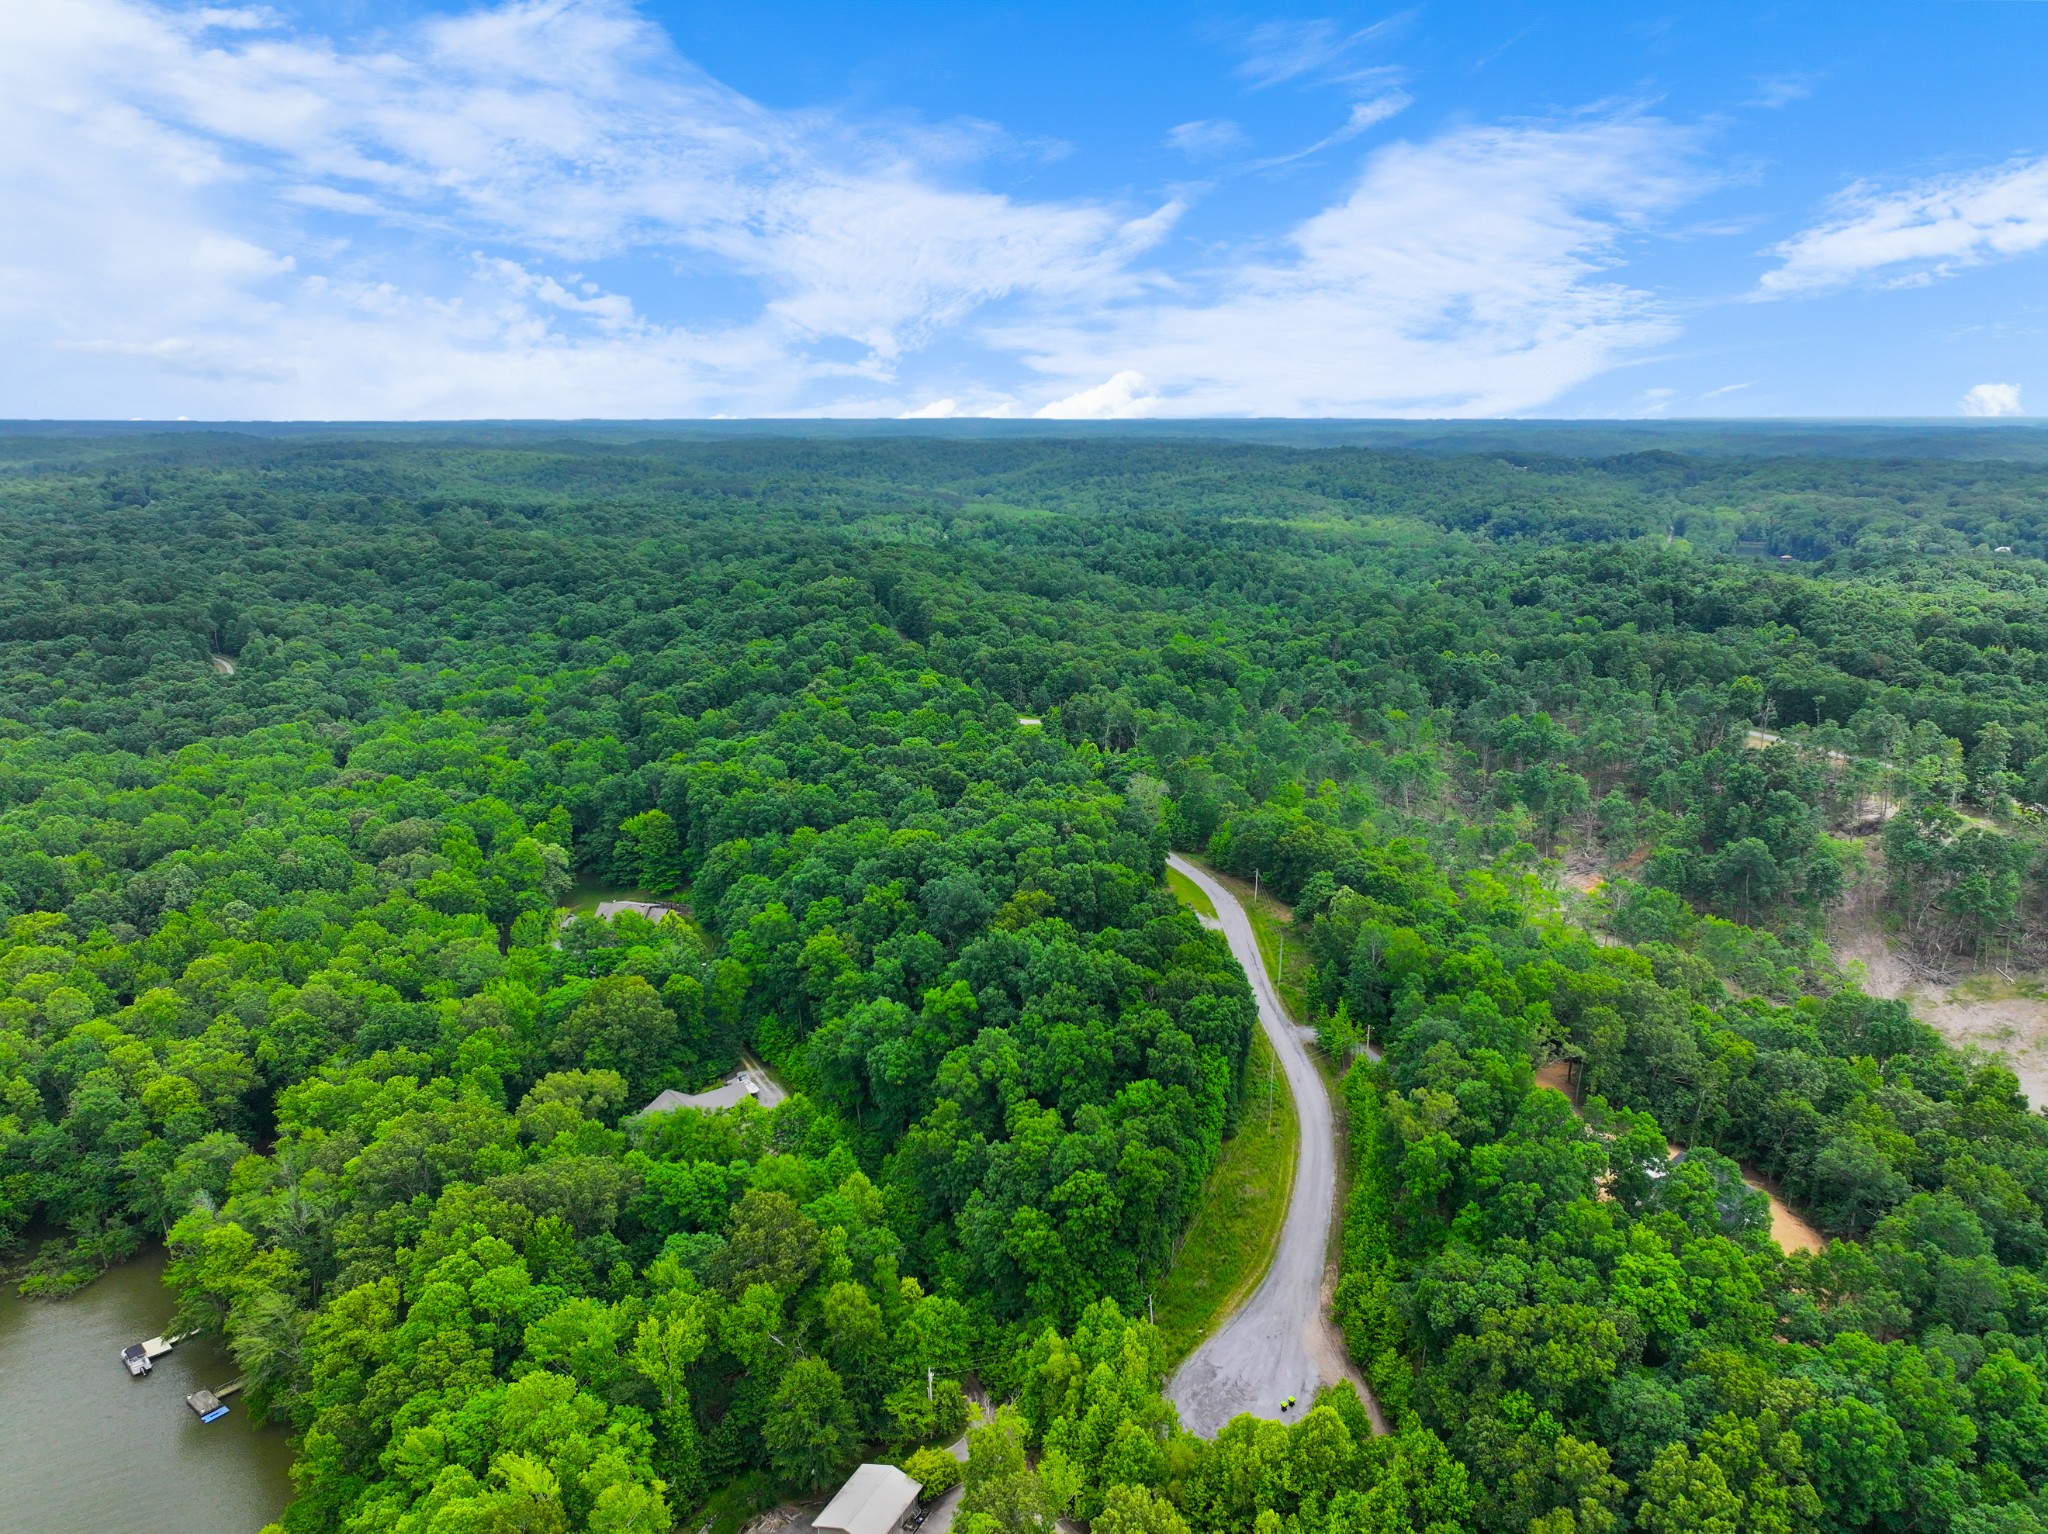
(1211, 136)
(1466, 276)
(1321, 51)
(1364, 115)
(561, 132)
(1774, 91)
(1503, 46)
(1919, 233)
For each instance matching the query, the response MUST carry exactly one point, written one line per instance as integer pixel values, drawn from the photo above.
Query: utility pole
(1151, 1314)
(1255, 886)
(927, 1385)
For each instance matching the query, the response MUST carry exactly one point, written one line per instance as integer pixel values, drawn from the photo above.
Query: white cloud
(1210, 136)
(937, 410)
(1370, 114)
(159, 177)
(537, 208)
(1918, 233)
(1122, 397)
(1465, 276)
(1992, 399)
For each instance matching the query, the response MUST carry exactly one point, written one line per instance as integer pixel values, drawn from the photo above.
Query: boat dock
(208, 1404)
(141, 1357)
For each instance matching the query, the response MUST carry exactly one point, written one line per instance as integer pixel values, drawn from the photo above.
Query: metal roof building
(873, 1501)
(706, 1102)
(653, 910)
(748, 1081)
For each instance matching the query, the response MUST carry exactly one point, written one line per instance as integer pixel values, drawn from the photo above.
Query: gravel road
(1281, 1343)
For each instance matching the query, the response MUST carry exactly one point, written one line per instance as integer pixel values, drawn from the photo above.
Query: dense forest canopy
(1762, 437)
(306, 740)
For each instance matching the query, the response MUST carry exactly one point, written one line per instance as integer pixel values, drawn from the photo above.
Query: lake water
(85, 1449)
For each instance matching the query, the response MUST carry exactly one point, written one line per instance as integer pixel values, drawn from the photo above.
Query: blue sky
(391, 209)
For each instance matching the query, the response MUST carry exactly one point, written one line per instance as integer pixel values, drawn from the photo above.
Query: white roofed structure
(653, 910)
(873, 1501)
(749, 1081)
(723, 1096)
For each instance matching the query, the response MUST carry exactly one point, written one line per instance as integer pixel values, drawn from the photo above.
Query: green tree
(1857, 1453)
(621, 1025)
(935, 1470)
(657, 851)
(1684, 1495)
(1138, 1510)
(809, 1429)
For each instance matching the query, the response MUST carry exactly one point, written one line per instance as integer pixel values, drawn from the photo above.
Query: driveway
(1281, 1343)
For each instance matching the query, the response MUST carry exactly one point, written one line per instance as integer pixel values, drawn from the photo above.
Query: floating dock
(209, 1404)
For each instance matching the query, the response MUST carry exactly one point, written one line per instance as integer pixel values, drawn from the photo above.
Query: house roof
(722, 1096)
(653, 910)
(873, 1501)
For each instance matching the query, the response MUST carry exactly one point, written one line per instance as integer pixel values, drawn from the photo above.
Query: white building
(748, 1081)
(723, 1096)
(873, 1501)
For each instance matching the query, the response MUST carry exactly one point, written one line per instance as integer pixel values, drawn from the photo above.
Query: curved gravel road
(1281, 1342)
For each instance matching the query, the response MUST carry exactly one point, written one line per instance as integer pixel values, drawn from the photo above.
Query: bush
(935, 1470)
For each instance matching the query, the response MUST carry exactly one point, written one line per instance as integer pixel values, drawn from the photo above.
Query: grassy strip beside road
(1189, 894)
(1230, 1244)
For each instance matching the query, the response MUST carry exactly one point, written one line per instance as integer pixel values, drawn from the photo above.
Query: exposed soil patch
(1787, 1228)
(1974, 1008)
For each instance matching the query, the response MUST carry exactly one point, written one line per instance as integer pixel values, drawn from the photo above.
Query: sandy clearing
(1982, 1009)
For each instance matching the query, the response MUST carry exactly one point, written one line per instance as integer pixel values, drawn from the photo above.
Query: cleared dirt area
(1557, 1076)
(1979, 1008)
(1787, 1228)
